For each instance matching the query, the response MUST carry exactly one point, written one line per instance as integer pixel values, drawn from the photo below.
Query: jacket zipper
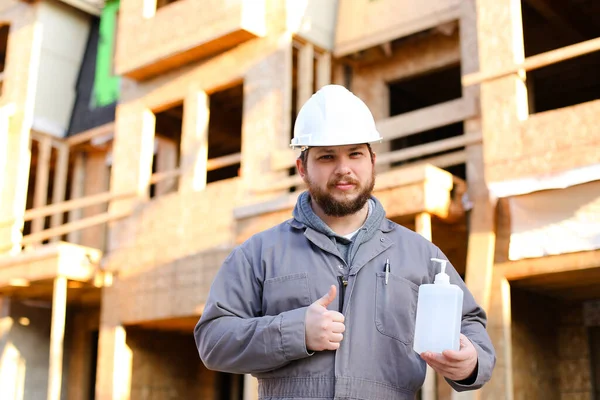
(343, 283)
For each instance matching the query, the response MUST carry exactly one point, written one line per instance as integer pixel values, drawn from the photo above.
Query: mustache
(346, 180)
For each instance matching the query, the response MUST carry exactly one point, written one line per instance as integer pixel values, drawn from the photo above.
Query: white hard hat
(334, 117)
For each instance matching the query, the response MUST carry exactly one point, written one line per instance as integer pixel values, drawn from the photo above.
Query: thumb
(329, 297)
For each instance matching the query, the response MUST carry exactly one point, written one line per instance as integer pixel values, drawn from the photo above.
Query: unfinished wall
(176, 225)
(535, 346)
(367, 23)
(149, 43)
(24, 352)
(176, 289)
(165, 366)
(81, 352)
(573, 353)
(551, 357)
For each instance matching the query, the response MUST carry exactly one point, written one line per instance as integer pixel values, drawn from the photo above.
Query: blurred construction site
(142, 140)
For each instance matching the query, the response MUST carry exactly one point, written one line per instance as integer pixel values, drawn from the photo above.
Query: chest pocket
(284, 293)
(396, 307)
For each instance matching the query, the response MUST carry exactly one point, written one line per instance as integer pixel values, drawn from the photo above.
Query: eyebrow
(331, 151)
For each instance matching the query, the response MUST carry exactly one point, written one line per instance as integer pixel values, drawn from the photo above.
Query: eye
(356, 154)
(326, 157)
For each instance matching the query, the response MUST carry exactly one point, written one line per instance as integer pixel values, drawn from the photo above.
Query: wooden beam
(430, 148)
(194, 142)
(88, 135)
(306, 57)
(423, 228)
(423, 225)
(41, 136)
(223, 161)
(323, 70)
(72, 205)
(40, 194)
(427, 118)
(159, 177)
(57, 334)
(536, 62)
(166, 160)
(250, 388)
(514, 270)
(73, 226)
(507, 336)
(60, 183)
(77, 192)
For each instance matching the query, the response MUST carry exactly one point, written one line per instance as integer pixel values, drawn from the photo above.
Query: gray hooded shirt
(254, 318)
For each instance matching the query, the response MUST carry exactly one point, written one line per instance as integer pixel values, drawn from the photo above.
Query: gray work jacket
(253, 321)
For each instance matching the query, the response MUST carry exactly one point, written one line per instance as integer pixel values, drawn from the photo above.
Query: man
(305, 306)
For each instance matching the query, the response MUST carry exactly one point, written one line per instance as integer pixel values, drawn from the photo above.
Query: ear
(300, 168)
(374, 158)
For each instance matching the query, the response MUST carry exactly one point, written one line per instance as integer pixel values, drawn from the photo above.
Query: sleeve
(473, 326)
(232, 335)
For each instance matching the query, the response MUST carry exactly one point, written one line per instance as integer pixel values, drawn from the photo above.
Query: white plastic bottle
(439, 311)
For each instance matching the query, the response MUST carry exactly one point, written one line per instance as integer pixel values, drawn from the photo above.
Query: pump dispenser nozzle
(442, 277)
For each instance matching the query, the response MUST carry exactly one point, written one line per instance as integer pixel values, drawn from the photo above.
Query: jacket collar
(386, 225)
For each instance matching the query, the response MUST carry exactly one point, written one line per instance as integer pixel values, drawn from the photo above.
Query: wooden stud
(104, 130)
(536, 62)
(57, 334)
(250, 387)
(305, 73)
(76, 193)
(75, 226)
(166, 159)
(40, 195)
(507, 337)
(194, 142)
(426, 118)
(423, 228)
(323, 70)
(60, 183)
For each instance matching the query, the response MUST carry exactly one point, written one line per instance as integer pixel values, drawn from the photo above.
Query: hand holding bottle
(454, 365)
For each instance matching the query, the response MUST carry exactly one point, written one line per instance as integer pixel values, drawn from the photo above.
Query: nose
(343, 167)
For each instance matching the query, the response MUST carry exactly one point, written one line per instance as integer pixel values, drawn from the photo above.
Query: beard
(341, 208)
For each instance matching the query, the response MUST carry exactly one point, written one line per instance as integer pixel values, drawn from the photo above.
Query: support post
(423, 228)
(194, 142)
(40, 195)
(306, 58)
(57, 334)
(60, 184)
(77, 192)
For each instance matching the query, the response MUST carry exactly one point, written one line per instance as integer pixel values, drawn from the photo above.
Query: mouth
(344, 185)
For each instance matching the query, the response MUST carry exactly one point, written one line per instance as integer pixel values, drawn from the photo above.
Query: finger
(461, 355)
(464, 341)
(467, 350)
(337, 327)
(333, 346)
(437, 358)
(329, 297)
(335, 316)
(443, 369)
(336, 337)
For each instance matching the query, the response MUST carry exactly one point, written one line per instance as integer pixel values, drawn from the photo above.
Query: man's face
(340, 179)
